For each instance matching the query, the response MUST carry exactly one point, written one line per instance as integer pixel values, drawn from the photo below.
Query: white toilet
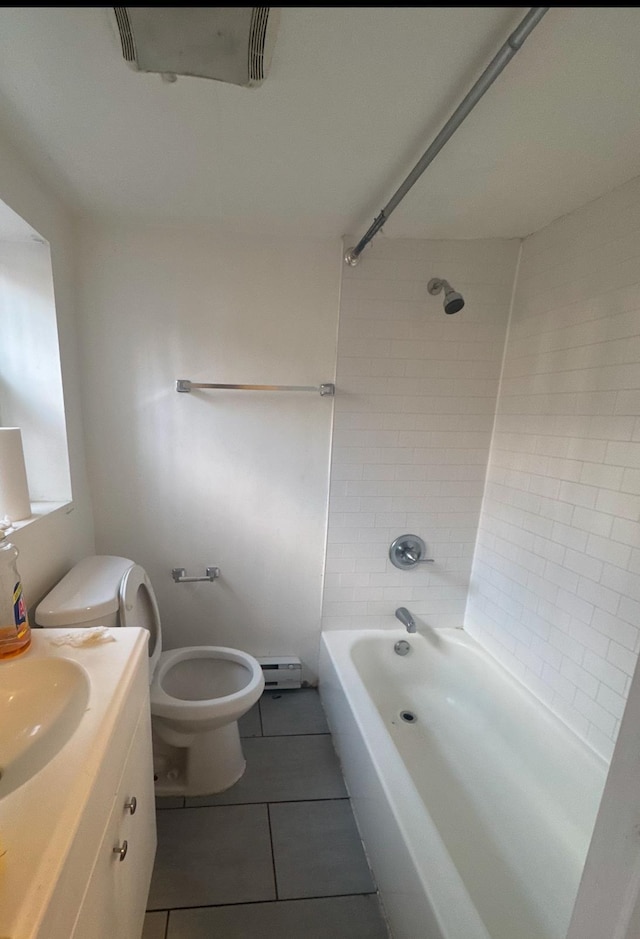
(197, 693)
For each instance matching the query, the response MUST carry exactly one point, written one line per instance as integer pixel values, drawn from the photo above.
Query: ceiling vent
(228, 44)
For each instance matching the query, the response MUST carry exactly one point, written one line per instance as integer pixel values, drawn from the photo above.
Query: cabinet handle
(132, 805)
(122, 851)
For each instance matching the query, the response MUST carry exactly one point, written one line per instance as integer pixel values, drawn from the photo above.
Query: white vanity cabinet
(60, 877)
(114, 901)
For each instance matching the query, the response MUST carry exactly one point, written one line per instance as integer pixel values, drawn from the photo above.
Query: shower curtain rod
(500, 60)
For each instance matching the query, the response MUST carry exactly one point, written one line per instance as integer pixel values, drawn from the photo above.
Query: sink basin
(41, 701)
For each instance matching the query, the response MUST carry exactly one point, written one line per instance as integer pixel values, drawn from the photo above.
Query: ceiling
(354, 97)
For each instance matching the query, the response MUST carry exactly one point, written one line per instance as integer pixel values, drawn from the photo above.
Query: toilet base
(212, 763)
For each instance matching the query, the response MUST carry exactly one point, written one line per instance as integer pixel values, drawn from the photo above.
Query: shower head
(453, 301)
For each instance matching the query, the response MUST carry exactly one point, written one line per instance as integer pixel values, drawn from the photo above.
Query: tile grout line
(260, 717)
(273, 858)
(298, 733)
(216, 906)
(226, 805)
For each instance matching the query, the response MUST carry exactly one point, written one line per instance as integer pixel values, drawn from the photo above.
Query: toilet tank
(87, 596)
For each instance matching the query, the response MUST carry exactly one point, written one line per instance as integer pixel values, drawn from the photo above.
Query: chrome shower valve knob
(407, 551)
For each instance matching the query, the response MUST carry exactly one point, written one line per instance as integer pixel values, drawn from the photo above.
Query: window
(31, 396)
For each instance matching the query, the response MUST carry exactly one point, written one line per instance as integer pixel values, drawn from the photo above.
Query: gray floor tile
(212, 855)
(249, 724)
(338, 917)
(282, 769)
(317, 851)
(169, 802)
(292, 712)
(155, 926)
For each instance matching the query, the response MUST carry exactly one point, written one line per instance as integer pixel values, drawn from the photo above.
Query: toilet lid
(138, 607)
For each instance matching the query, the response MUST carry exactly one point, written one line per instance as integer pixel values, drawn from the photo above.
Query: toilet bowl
(197, 693)
(197, 696)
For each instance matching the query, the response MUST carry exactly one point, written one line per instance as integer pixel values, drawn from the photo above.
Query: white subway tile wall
(555, 589)
(414, 413)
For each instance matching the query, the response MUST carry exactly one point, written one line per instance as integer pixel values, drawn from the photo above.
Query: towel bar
(185, 386)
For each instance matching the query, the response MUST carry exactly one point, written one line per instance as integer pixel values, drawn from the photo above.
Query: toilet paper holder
(178, 574)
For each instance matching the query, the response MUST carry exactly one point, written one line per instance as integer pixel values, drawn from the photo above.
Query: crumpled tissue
(89, 636)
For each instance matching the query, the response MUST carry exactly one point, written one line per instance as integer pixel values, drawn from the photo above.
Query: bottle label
(19, 607)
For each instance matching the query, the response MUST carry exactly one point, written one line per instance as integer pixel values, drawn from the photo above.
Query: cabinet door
(98, 914)
(136, 805)
(115, 900)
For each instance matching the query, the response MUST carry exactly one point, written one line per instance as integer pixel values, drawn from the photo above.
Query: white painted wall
(233, 479)
(414, 414)
(555, 591)
(50, 546)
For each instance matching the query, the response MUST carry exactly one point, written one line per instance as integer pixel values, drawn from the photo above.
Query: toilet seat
(168, 705)
(138, 607)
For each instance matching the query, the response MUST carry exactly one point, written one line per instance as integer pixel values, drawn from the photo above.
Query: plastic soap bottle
(15, 632)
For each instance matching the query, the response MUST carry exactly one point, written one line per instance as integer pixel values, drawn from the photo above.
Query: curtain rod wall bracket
(352, 256)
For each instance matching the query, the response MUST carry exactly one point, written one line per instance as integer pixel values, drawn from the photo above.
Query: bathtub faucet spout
(406, 619)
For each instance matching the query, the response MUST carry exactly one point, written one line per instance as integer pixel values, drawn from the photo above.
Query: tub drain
(408, 716)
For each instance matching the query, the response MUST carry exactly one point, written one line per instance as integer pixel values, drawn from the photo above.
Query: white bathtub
(477, 816)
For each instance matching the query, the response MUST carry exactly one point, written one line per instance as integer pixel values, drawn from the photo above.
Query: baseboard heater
(282, 672)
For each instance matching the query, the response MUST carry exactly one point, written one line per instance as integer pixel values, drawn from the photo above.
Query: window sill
(40, 510)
